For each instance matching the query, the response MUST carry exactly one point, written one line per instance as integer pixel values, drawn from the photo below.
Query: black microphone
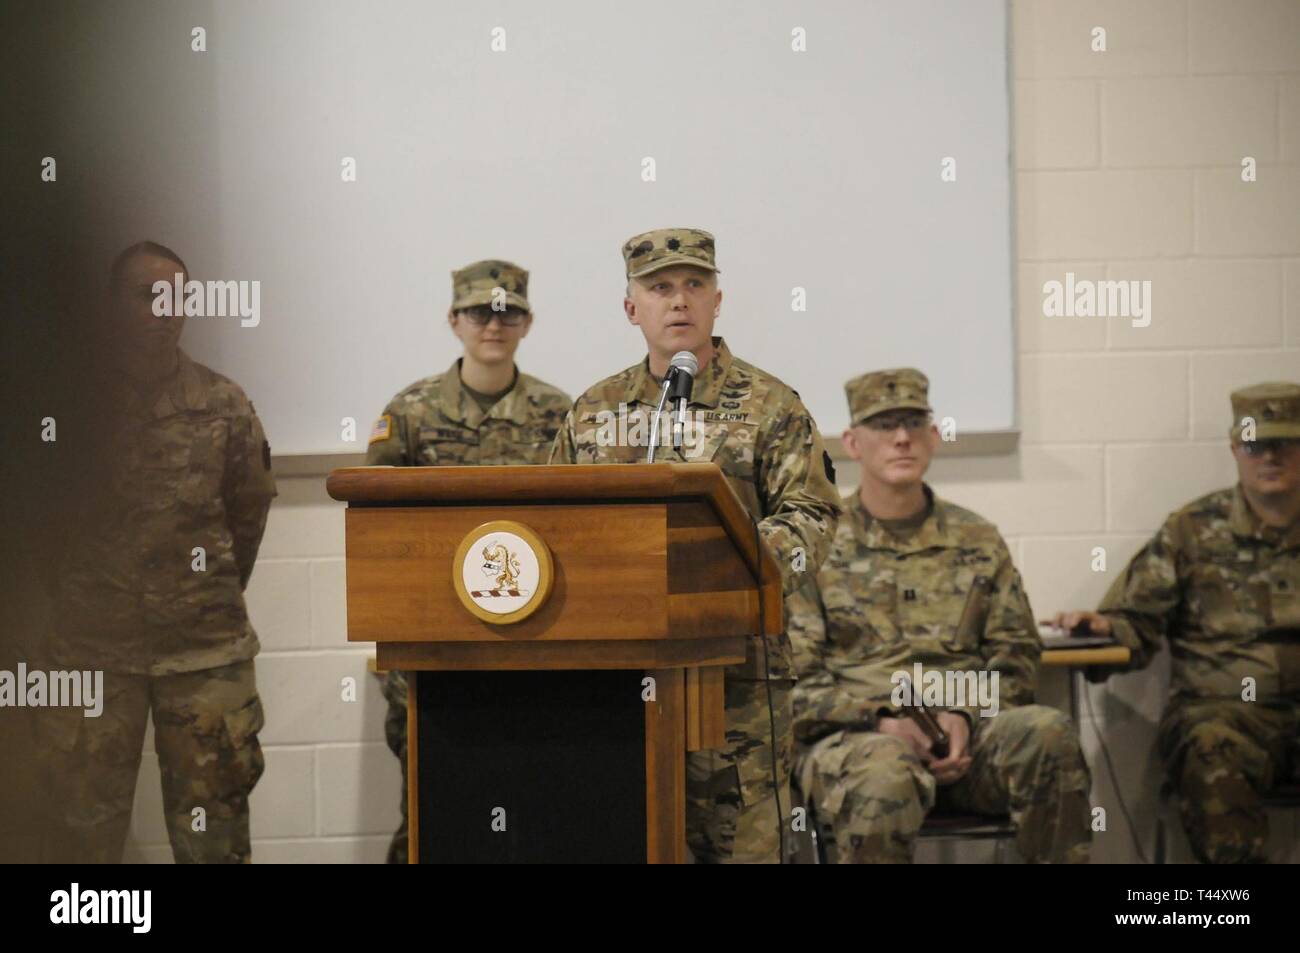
(682, 370)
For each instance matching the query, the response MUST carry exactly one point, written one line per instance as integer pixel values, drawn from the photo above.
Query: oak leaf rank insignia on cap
(664, 247)
(477, 284)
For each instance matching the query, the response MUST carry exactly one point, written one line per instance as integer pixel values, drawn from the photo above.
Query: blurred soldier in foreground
(151, 591)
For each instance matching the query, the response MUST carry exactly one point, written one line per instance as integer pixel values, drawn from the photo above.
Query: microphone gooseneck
(683, 369)
(678, 382)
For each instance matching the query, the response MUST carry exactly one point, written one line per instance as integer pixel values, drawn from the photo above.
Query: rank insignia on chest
(909, 595)
(383, 428)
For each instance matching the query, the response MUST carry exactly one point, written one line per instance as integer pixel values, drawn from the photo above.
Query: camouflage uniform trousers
(873, 791)
(731, 808)
(205, 734)
(395, 691)
(1221, 757)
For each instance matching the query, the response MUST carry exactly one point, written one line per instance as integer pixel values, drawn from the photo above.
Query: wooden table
(1075, 659)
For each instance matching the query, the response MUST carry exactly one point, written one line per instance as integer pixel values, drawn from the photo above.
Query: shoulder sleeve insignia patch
(383, 429)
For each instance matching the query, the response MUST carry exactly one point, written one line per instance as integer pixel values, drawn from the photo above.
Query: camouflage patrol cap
(665, 247)
(1274, 406)
(900, 388)
(475, 284)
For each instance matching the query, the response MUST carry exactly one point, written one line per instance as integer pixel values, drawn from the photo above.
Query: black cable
(1110, 768)
(771, 709)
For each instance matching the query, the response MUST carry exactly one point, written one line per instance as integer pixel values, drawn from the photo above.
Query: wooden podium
(534, 740)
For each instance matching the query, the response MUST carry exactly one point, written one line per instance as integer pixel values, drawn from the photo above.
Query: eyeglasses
(1279, 446)
(888, 423)
(482, 316)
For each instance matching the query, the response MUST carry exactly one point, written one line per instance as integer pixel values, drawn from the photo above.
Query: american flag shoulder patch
(383, 428)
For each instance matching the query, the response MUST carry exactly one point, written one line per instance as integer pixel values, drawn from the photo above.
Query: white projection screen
(819, 169)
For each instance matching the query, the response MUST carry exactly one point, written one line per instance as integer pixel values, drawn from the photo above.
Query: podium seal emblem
(502, 572)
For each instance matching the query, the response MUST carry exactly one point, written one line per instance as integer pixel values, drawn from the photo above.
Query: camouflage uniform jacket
(1225, 590)
(948, 597)
(435, 423)
(191, 468)
(758, 432)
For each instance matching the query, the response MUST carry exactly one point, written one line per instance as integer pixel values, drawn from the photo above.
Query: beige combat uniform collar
(1244, 524)
(934, 533)
(642, 387)
(458, 406)
(182, 391)
(514, 405)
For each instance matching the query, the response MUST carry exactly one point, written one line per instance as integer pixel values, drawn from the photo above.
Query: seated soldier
(916, 588)
(1221, 581)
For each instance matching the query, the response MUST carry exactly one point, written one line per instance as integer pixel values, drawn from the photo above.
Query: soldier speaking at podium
(758, 432)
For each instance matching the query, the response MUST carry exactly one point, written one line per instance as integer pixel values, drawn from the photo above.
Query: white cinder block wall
(1128, 166)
